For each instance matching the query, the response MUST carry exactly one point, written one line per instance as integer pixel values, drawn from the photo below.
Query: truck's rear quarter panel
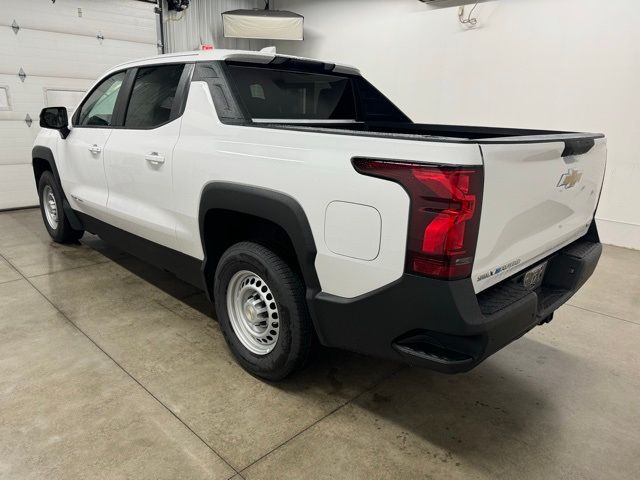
(313, 168)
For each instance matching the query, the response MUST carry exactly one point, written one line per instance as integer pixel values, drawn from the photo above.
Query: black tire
(63, 232)
(296, 335)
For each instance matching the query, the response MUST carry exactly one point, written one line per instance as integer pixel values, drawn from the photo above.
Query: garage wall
(57, 48)
(558, 64)
(202, 23)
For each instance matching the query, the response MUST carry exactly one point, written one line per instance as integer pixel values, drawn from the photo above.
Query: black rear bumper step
(433, 355)
(444, 325)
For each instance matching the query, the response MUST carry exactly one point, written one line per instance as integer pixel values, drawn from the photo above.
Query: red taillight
(445, 214)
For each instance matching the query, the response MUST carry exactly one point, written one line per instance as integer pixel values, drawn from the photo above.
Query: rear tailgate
(540, 194)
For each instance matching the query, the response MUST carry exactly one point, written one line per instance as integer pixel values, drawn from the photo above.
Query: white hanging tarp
(263, 24)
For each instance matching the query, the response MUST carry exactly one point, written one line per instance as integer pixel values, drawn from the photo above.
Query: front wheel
(53, 215)
(261, 307)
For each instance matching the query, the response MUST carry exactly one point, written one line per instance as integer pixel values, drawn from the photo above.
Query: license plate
(533, 278)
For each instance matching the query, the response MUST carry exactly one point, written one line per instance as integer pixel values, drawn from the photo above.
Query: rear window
(280, 94)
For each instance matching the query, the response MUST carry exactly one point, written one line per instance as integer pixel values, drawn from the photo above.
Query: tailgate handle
(578, 146)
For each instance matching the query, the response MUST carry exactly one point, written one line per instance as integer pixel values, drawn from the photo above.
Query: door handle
(154, 158)
(95, 148)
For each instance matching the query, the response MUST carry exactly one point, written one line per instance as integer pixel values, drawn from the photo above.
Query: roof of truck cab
(237, 55)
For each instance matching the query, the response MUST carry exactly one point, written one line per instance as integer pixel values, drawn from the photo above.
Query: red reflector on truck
(445, 214)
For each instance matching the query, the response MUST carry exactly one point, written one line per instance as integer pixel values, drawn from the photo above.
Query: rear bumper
(444, 325)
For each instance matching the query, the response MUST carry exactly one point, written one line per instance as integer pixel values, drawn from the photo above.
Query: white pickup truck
(311, 208)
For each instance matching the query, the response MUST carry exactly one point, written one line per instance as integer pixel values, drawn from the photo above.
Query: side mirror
(55, 118)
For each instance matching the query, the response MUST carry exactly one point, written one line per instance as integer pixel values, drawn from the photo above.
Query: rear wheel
(261, 307)
(53, 215)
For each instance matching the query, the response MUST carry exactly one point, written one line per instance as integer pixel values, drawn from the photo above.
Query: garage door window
(4, 98)
(97, 110)
(153, 95)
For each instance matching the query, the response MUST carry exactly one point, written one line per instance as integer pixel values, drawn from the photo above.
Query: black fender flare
(271, 205)
(45, 153)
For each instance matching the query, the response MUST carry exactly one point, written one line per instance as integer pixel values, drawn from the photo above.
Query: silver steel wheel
(253, 312)
(50, 206)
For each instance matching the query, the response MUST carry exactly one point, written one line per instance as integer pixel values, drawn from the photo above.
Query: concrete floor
(110, 368)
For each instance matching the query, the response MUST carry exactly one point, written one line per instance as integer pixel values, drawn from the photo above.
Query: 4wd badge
(570, 179)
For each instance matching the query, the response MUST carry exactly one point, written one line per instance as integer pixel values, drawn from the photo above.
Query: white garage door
(50, 53)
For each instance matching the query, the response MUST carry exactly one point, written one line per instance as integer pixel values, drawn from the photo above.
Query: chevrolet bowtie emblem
(570, 179)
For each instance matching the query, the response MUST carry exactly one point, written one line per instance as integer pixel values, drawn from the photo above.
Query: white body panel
(526, 213)
(57, 48)
(82, 170)
(139, 171)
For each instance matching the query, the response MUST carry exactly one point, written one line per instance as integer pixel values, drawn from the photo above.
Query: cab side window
(153, 96)
(97, 109)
